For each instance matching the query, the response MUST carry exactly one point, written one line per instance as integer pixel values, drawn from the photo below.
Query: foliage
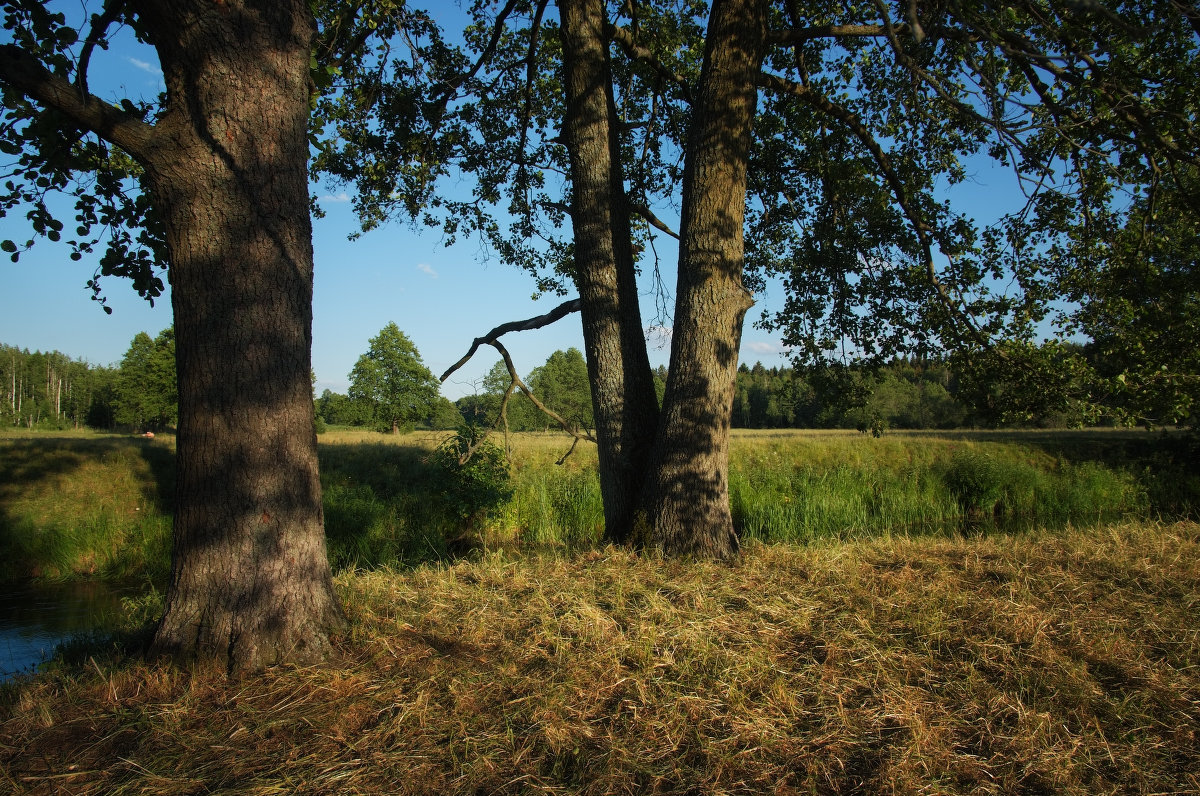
(340, 410)
(870, 116)
(147, 396)
(562, 385)
(472, 473)
(445, 415)
(113, 212)
(391, 379)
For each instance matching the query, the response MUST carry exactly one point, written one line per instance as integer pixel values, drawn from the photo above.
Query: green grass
(1063, 662)
(85, 505)
(89, 505)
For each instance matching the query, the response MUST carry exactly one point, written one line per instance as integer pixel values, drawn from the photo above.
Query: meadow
(86, 505)
(950, 613)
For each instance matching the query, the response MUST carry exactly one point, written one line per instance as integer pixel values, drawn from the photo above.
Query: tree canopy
(391, 379)
(147, 396)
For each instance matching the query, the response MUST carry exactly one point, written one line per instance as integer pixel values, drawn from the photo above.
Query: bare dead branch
(559, 312)
(492, 338)
(516, 382)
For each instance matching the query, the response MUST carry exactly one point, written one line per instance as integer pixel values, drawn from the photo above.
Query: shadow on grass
(1164, 463)
(44, 531)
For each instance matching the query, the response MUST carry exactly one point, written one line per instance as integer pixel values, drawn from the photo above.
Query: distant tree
(562, 385)
(444, 416)
(338, 409)
(147, 397)
(475, 409)
(392, 380)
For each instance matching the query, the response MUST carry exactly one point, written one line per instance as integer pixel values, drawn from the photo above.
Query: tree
(562, 385)
(392, 380)
(146, 393)
(840, 124)
(213, 183)
(445, 416)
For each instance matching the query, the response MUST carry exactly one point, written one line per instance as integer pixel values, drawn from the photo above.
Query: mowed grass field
(950, 613)
(1064, 662)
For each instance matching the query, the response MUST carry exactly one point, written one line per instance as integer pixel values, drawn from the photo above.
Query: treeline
(904, 394)
(51, 391)
(561, 384)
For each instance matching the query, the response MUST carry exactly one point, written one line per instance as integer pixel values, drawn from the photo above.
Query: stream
(35, 618)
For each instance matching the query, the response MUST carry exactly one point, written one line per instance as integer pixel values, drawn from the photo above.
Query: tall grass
(75, 505)
(100, 506)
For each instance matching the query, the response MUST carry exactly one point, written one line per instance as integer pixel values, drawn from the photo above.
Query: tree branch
(646, 213)
(559, 312)
(895, 184)
(797, 35)
(516, 382)
(100, 24)
(625, 41)
(25, 73)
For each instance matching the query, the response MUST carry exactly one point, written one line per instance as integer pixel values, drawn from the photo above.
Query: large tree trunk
(250, 582)
(622, 383)
(685, 501)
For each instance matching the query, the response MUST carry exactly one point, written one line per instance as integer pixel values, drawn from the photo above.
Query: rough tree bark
(684, 506)
(227, 163)
(250, 579)
(623, 397)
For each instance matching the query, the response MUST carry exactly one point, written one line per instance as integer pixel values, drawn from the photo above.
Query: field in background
(909, 645)
(83, 505)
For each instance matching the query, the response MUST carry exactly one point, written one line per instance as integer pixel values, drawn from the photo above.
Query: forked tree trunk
(619, 369)
(250, 582)
(685, 501)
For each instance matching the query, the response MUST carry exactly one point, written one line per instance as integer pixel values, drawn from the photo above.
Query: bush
(472, 473)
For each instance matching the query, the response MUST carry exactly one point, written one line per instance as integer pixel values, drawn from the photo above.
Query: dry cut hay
(1065, 663)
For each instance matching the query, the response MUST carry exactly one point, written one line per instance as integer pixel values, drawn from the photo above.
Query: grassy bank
(1043, 663)
(88, 505)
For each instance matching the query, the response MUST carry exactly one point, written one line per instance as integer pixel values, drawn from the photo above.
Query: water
(34, 619)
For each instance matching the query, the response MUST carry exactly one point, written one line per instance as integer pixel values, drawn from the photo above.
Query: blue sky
(440, 297)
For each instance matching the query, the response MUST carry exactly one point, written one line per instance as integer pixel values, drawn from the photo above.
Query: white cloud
(341, 197)
(145, 66)
(427, 268)
(762, 347)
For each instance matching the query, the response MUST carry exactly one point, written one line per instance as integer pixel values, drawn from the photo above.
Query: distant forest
(50, 390)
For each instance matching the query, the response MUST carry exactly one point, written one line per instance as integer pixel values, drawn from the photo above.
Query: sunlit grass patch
(78, 505)
(91, 505)
(1065, 662)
